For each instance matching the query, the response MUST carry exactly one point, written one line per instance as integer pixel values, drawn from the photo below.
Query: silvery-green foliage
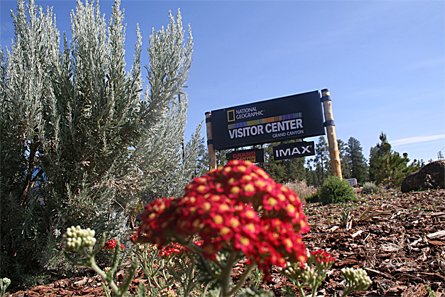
(79, 141)
(170, 60)
(170, 168)
(193, 159)
(27, 117)
(160, 153)
(28, 100)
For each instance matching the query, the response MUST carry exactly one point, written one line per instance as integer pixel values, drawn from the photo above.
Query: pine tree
(276, 170)
(79, 142)
(321, 160)
(377, 159)
(357, 165)
(296, 170)
(284, 170)
(387, 167)
(345, 159)
(311, 176)
(202, 160)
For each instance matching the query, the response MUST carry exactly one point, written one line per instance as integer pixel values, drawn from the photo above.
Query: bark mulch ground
(399, 239)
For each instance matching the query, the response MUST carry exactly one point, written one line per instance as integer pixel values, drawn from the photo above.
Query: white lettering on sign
(284, 125)
(288, 152)
(277, 129)
(246, 131)
(296, 132)
(248, 112)
(276, 135)
(246, 109)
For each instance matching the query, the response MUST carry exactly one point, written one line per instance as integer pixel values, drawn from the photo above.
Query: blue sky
(383, 61)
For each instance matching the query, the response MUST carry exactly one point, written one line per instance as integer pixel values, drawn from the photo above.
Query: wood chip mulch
(399, 239)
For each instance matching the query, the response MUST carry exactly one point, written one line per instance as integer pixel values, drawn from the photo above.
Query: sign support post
(210, 148)
(334, 154)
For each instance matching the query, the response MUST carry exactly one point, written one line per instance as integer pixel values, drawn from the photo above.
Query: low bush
(303, 190)
(335, 190)
(312, 198)
(370, 188)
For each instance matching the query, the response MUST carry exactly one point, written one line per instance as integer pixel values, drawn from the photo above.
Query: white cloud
(417, 139)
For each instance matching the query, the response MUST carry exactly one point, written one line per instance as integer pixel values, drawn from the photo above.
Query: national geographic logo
(231, 115)
(243, 113)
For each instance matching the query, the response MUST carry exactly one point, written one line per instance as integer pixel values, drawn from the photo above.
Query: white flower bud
(6, 282)
(77, 238)
(356, 279)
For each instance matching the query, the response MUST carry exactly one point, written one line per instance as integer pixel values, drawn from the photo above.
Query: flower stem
(315, 286)
(226, 275)
(103, 275)
(300, 289)
(346, 292)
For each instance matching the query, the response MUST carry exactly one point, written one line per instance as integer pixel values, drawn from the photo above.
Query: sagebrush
(302, 188)
(82, 138)
(370, 188)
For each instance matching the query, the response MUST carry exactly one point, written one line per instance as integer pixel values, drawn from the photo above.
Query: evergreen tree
(378, 155)
(296, 170)
(357, 161)
(284, 170)
(79, 143)
(388, 167)
(321, 161)
(202, 160)
(276, 170)
(311, 176)
(345, 159)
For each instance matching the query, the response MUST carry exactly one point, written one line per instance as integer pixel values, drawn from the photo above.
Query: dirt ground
(399, 239)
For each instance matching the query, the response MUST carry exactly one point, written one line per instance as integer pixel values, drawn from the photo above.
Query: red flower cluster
(172, 248)
(175, 248)
(322, 257)
(111, 245)
(236, 208)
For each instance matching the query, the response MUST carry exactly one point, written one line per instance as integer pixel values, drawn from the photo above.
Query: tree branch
(31, 161)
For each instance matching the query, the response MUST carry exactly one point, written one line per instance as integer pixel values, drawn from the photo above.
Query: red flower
(170, 249)
(111, 245)
(322, 257)
(175, 248)
(134, 237)
(236, 208)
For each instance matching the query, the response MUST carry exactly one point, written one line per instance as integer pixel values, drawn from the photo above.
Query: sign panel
(293, 150)
(352, 182)
(255, 155)
(290, 117)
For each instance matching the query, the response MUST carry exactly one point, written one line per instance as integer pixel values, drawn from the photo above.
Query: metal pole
(210, 149)
(334, 154)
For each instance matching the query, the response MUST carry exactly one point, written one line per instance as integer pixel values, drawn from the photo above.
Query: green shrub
(335, 190)
(312, 198)
(370, 188)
